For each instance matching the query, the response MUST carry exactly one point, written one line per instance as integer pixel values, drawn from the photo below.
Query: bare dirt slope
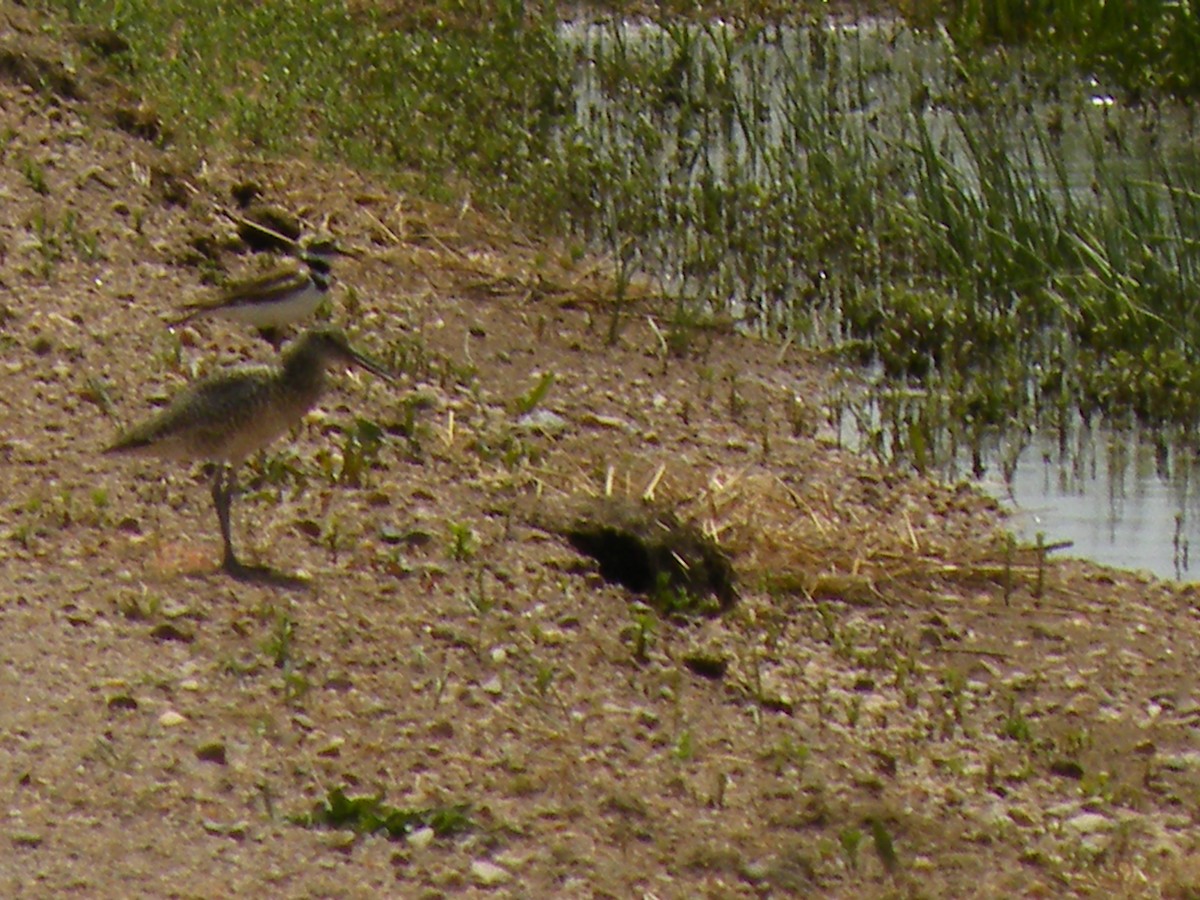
(906, 712)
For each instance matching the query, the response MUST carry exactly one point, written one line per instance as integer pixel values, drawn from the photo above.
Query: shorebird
(226, 417)
(283, 296)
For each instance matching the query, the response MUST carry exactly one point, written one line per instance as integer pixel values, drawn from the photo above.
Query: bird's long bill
(372, 366)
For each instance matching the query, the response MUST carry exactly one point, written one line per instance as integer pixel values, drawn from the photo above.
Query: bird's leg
(274, 336)
(222, 492)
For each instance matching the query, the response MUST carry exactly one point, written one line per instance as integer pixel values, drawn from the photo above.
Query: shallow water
(1120, 497)
(1123, 501)
(866, 89)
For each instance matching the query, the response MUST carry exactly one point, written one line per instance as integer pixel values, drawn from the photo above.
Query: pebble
(421, 838)
(212, 751)
(1088, 823)
(170, 719)
(756, 870)
(543, 421)
(1021, 816)
(488, 873)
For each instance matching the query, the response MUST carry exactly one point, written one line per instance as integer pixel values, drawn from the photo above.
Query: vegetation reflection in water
(1125, 496)
(1016, 256)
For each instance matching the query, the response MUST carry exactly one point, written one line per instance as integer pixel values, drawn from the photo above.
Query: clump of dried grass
(866, 539)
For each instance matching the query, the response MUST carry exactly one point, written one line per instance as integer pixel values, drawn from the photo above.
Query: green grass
(35, 176)
(370, 815)
(444, 105)
(1008, 253)
(1148, 45)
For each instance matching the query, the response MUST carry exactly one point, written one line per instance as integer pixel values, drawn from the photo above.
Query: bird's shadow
(263, 575)
(266, 575)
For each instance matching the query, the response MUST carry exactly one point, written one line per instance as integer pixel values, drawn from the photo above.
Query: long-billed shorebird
(282, 296)
(226, 417)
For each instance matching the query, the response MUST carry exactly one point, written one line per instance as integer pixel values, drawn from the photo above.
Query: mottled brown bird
(228, 416)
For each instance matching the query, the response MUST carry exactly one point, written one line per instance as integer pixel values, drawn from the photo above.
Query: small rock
(342, 841)
(409, 537)
(422, 837)
(493, 686)
(1020, 816)
(170, 719)
(332, 748)
(1181, 762)
(235, 830)
(994, 815)
(1066, 768)
(544, 422)
(167, 631)
(212, 751)
(488, 873)
(340, 683)
(1088, 823)
(1064, 810)
(308, 527)
(613, 422)
(777, 703)
(756, 870)
(551, 636)
(707, 664)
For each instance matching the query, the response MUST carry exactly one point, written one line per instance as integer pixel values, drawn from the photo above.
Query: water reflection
(1126, 497)
(760, 175)
(1122, 497)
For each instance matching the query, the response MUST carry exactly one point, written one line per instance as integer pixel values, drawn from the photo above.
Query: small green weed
(140, 607)
(462, 541)
(479, 601)
(278, 647)
(530, 400)
(885, 848)
(683, 749)
(35, 175)
(786, 752)
(360, 451)
(278, 470)
(367, 814)
(544, 679)
(850, 839)
(641, 631)
(281, 650)
(1017, 728)
(677, 600)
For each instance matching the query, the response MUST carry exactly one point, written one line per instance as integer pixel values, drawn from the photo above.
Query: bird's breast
(279, 311)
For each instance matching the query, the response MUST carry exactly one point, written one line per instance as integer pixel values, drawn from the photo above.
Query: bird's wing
(265, 288)
(200, 417)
